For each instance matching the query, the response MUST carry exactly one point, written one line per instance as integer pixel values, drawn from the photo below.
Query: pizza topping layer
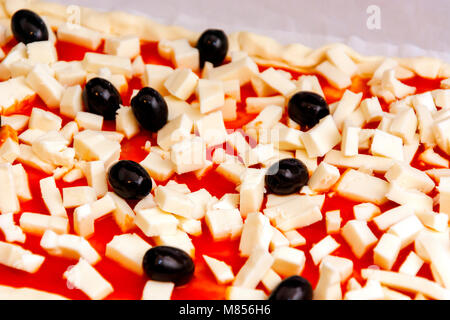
(327, 154)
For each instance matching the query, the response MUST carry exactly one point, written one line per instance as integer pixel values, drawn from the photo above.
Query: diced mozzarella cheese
(10, 293)
(336, 77)
(333, 221)
(371, 291)
(155, 76)
(232, 171)
(278, 240)
(341, 60)
(181, 83)
(44, 120)
(69, 73)
(42, 52)
(295, 238)
(85, 278)
(224, 223)
(386, 251)
(266, 119)
(409, 177)
(323, 137)
(52, 197)
(16, 121)
(28, 157)
(350, 141)
(254, 269)
(38, 224)
(256, 105)
(77, 196)
(377, 164)
(239, 293)
(419, 201)
(155, 222)
(256, 233)
(371, 109)
(47, 87)
(126, 122)
(271, 280)
(189, 154)
(71, 102)
(175, 131)
(411, 265)
(21, 182)
(359, 237)
(128, 250)
(221, 271)
(387, 145)
(93, 62)
(210, 94)
(359, 186)
(157, 290)
(277, 82)
(96, 177)
(365, 211)
(158, 168)
(324, 177)
(343, 265)
(242, 69)
(9, 150)
(323, 248)
(348, 103)
(79, 35)
(329, 284)
(128, 47)
(211, 129)
(9, 202)
(179, 239)
(252, 191)
(11, 231)
(288, 261)
(14, 256)
(432, 158)
(392, 216)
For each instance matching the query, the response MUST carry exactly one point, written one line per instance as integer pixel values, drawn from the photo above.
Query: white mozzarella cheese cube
(441, 98)
(69, 73)
(158, 168)
(96, 177)
(211, 129)
(288, 261)
(336, 77)
(69, 131)
(409, 177)
(126, 122)
(94, 146)
(155, 76)
(229, 109)
(444, 195)
(434, 159)
(38, 224)
(329, 284)
(377, 164)
(371, 109)
(71, 102)
(87, 120)
(175, 131)
(232, 89)
(239, 293)
(73, 175)
(52, 148)
(14, 256)
(365, 211)
(224, 223)
(412, 264)
(122, 214)
(210, 94)
(341, 60)
(348, 103)
(79, 35)
(47, 87)
(189, 155)
(257, 104)
(28, 157)
(232, 171)
(252, 191)
(295, 238)
(201, 199)
(11, 231)
(17, 53)
(128, 250)
(310, 163)
(430, 130)
(425, 99)
(386, 251)
(419, 201)
(128, 46)
(434, 221)
(9, 150)
(180, 52)
(271, 280)
(277, 82)
(404, 125)
(16, 121)
(323, 137)
(155, 222)
(157, 290)
(407, 230)
(256, 233)
(350, 141)
(392, 216)
(190, 226)
(371, 291)
(242, 69)
(323, 248)
(44, 120)
(358, 236)
(42, 52)
(324, 177)
(85, 278)
(387, 145)
(21, 182)
(52, 197)
(266, 119)
(8, 195)
(333, 221)
(77, 196)
(221, 271)
(256, 266)
(179, 239)
(309, 83)
(69, 246)
(359, 186)
(181, 83)
(343, 265)
(138, 67)
(174, 202)
(93, 62)
(238, 142)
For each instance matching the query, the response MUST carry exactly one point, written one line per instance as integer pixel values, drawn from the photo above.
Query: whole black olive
(307, 108)
(150, 109)
(293, 288)
(213, 47)
(286, 176)
(168, 264)
(129, 180)
(28, 27)
(101, 97)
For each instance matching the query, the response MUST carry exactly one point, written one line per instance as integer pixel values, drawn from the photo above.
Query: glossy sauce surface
(203, 285)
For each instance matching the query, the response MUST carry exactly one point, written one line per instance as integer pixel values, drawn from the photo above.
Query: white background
(408, 27)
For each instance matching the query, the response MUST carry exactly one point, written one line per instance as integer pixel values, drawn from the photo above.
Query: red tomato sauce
(128, 285)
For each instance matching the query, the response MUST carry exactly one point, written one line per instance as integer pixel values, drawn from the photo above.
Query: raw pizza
(143, 161)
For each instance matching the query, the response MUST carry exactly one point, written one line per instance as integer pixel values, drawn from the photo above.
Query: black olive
(213, 47)
(129, 180)
(307, 108)
(150, 109)
(101, 97)
(28, 27)
(168, 264)
(286, 176)
(292, 288)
